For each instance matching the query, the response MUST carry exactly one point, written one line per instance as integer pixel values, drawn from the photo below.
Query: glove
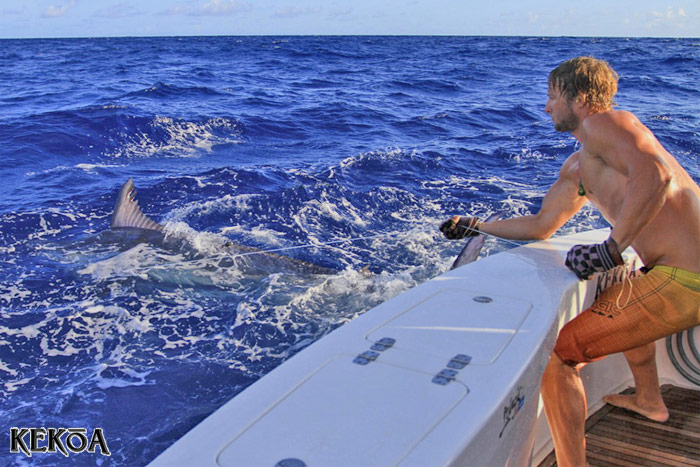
(461, 227)
(585, 260)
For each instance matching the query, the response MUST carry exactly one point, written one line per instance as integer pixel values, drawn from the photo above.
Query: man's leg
(647, 398)
(659, 305)
(565, 406)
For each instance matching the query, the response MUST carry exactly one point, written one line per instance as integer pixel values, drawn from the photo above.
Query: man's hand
(460, 227)
(585, 260)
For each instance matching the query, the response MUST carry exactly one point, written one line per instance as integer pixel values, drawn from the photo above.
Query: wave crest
(170, 137)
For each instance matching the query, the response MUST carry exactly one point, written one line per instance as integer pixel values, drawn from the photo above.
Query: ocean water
(342, 152)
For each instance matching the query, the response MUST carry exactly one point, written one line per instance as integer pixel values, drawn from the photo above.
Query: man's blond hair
(594, 79)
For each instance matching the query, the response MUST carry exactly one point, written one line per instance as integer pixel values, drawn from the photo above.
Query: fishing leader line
(331, 243)
(279, 250)
(328, 244)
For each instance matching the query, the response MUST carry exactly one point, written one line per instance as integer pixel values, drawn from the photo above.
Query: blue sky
(90, 18)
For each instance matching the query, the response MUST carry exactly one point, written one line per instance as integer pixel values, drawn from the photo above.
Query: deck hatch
(452, 322)
(376, 416)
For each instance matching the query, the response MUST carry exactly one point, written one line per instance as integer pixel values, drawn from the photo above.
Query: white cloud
(210, 8)
(117, 10)
(294, 12)
(670, 21)
(669, 13)
(58, 11)
(222, 8)
(341, 14)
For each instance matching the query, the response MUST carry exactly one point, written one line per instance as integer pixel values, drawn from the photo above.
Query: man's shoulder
(569, 169)
(609, 119)
(612, 127)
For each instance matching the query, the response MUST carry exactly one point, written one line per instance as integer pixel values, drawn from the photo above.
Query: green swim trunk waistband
(683, 277)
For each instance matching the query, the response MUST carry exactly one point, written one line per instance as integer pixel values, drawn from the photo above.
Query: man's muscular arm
(623, 143)
(560, 203)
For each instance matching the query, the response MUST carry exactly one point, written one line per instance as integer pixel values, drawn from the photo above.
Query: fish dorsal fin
(127, 214)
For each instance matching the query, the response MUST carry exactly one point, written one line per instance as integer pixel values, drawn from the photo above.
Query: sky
(108, 18)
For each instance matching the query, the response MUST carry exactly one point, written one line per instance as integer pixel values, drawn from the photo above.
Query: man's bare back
(611, 172)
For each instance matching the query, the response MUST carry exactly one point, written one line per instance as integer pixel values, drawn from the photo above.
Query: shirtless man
(653, 205)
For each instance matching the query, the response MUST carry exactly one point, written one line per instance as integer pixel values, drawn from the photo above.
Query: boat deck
(617, 437)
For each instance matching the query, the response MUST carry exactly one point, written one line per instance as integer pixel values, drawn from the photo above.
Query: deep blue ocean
(284, 143)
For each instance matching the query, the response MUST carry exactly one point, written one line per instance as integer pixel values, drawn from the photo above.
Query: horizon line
(543, 36)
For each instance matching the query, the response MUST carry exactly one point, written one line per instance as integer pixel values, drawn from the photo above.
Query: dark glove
(585, 260)
(460, 227)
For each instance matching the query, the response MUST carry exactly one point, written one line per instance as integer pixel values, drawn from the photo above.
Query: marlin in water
(129, 221)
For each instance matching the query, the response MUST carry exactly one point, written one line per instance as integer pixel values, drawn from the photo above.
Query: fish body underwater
(130, 227)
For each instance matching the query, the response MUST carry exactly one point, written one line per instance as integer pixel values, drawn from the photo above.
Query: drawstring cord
(628, 279)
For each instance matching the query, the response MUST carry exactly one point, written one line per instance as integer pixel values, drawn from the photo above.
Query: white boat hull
(330, 405)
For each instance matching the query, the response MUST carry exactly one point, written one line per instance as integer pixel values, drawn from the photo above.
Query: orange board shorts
(632, 313)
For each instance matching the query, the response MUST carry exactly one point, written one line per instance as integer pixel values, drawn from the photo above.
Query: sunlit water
(273, 143)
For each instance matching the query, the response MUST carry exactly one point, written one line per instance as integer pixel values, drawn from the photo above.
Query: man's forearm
(516, 228)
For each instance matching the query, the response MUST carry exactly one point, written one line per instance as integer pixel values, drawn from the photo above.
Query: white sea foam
(7, 250)
(46, 229)
(181, 138)
(128, 263)
(6, 369)
(314, 215)
(206, 243)
(388, 154)
(202, 182)
(94, 167)
(226, 203)
(11, 386)
(12, 292)
(30, 331)
(527, 155)
(258, 234)
(130, 378)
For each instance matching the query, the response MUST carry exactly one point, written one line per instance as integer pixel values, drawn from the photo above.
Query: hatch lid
(371, 414)
(456, 321)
